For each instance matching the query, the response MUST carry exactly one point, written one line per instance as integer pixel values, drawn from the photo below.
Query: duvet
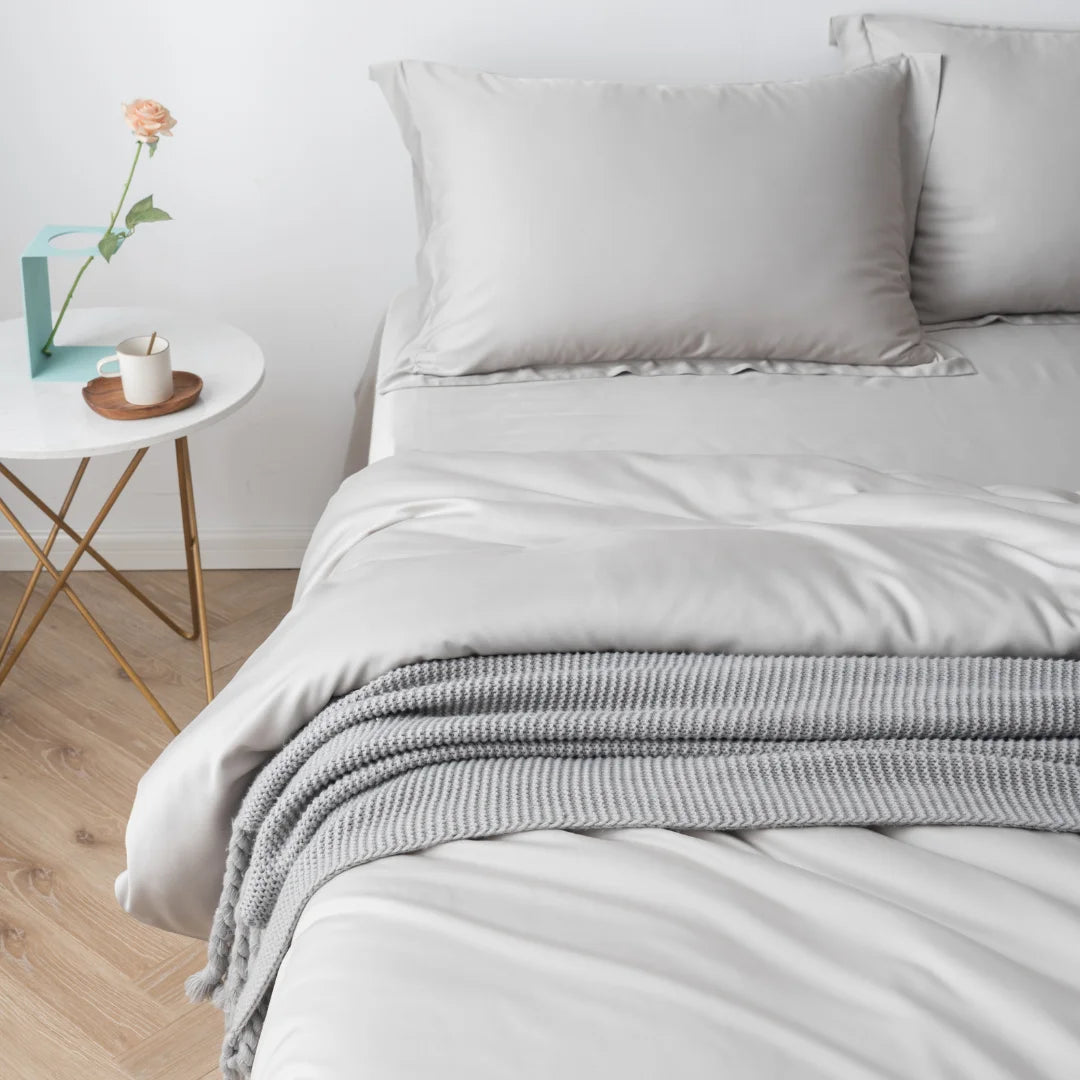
(426, 558)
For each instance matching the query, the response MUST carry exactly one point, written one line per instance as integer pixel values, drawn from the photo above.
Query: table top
(41, 419)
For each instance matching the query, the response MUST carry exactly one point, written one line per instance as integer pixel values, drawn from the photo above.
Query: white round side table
(41, 419)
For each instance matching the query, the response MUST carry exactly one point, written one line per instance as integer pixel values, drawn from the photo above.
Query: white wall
(290, 190)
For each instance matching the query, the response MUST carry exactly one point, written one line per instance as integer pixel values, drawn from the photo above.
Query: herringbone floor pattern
(87, 993)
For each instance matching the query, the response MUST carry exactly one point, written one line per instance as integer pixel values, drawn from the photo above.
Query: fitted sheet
(834, 953)
(1013, 422)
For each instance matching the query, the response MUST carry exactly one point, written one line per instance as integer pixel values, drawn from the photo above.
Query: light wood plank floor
(86, 992)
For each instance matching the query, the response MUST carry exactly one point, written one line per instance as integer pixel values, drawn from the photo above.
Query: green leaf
(153, 147)
(108, 245)
(145, 210)
(154, 214)
(136, 209)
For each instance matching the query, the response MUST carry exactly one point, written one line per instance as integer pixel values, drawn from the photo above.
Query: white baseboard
(252, 549)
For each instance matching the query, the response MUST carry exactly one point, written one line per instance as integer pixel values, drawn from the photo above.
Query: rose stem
(82, 269)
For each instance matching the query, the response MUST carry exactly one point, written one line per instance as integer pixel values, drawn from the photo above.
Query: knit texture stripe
(487, 746)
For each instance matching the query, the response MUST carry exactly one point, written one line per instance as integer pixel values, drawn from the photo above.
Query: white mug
(146, 380)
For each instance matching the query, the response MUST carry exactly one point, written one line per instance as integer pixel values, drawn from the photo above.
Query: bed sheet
(1013, 422)
(815, 953)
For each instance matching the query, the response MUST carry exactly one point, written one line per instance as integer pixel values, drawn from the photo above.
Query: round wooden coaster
(105, 396)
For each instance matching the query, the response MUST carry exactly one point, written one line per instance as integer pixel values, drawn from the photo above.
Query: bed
(646, 720)
(891, 952)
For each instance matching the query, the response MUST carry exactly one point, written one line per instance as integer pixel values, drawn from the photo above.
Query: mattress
(1013, 422)
(918, 953)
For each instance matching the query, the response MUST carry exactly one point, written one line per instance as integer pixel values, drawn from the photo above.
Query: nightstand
(41, 419)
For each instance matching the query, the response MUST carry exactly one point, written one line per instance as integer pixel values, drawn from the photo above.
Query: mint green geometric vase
(68, 363)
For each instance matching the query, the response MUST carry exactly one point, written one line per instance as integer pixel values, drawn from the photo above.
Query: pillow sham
(610, 227)
(998, 228)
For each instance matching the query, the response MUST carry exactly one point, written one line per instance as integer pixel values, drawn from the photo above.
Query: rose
(148, 119)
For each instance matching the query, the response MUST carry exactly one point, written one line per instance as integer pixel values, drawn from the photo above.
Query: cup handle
(108, 360)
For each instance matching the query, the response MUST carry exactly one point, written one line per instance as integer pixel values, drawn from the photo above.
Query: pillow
(586, 227)
(998, 227)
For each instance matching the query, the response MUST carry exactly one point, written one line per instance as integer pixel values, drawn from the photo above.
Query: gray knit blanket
(486, 746)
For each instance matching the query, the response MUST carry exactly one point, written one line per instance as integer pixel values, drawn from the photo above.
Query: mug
(146, 380)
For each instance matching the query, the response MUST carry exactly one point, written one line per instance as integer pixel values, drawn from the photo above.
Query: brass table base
(11, 649)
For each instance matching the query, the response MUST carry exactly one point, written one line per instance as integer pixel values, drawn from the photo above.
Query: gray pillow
(998, 227)
(608, 226)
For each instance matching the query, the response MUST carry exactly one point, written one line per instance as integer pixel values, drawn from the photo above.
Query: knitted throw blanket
(485, 746)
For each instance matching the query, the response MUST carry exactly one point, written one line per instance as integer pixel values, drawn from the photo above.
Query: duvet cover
(837, 595)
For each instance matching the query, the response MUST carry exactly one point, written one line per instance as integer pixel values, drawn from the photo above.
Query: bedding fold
(489, 746)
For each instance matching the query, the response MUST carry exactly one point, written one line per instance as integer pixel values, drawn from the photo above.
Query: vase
(65, 363)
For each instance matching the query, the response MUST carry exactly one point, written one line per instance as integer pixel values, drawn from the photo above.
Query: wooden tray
(105, 396)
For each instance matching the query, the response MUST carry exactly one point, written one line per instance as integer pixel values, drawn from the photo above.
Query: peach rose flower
(148, 119)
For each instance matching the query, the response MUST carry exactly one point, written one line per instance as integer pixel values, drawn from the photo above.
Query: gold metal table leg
(60, 523)
(77, 554)
(196, 589)
(9, 653)
(117, 655)
(36, 573)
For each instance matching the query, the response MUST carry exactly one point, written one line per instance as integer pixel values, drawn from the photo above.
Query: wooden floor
(86, 992)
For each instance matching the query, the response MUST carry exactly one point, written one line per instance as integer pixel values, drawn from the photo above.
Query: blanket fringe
(201, 985)
(238, 1055)
(209, 984)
